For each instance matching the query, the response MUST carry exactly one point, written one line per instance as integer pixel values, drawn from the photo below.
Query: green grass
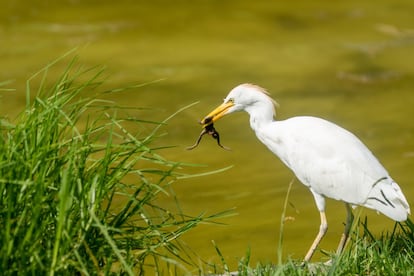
(79, 192)
(389, 254)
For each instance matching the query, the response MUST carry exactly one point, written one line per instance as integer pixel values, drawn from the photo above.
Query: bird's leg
(322, 231)
(348, 224)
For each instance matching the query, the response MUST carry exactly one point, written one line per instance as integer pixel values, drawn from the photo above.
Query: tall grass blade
(282, 224)
(79, 192)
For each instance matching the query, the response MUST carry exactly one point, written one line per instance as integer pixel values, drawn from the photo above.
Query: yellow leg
(348, 224)
(322, 231)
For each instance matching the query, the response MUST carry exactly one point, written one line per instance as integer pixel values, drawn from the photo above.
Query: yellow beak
(216, 114)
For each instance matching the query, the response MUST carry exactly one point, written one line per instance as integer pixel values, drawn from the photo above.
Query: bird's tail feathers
(387, 198)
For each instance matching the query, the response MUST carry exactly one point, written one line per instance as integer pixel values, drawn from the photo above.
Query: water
(349, 62)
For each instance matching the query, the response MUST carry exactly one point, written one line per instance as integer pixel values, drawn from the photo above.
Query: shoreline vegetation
(79, 191)
(365, 254)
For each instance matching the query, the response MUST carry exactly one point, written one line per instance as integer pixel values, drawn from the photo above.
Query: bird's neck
(260, 117)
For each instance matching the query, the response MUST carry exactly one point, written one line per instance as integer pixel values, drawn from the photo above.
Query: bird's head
(246, 97)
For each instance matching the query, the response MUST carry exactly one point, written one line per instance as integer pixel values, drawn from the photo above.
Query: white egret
(329, 160)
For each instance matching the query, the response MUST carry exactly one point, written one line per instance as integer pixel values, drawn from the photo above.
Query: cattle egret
(331, 161)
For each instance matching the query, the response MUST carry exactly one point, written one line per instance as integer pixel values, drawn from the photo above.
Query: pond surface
(350, 62)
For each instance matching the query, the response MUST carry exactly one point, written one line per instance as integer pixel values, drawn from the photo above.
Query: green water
(347, 61)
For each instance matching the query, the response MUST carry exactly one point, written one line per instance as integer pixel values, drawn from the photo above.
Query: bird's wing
(327, 158)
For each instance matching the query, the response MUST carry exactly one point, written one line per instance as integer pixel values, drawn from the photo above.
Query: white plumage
(331, 161)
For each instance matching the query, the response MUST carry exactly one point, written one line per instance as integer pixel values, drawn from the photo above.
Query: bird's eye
(231, 100)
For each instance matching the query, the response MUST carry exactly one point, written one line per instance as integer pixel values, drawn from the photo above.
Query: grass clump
(78, 191)
(389, 254)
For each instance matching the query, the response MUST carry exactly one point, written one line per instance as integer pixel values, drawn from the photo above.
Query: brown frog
(208, 129)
